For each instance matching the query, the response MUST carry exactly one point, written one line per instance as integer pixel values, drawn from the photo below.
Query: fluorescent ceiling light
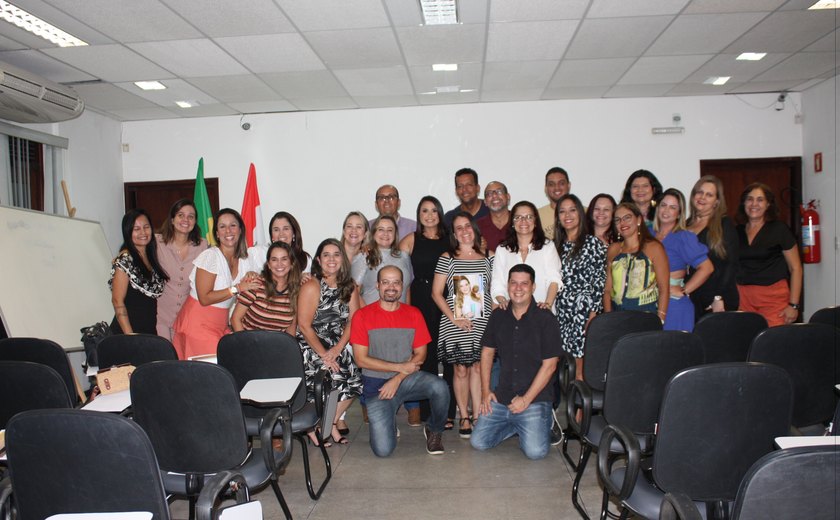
(29, 22)
(717, 80)
(445, 67)
(439, 12)
(448, 89)
(751, 56)
(187, 104)
(150, 85)
(463, 90)
(825, 4)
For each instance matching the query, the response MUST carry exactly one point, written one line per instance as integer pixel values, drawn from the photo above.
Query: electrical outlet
(125, 147)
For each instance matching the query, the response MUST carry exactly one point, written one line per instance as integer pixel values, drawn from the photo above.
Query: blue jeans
(533, 426)
(382, 412)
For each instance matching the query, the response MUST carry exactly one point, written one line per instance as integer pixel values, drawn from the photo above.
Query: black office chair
(44, 352)
(29, 386)
(603, 331)
(135, 349)
(638, 369)
(262, 354)
(192, 413)
(75, 461)
(792, 483)
(810, 353)
(828, 315)
(728, 335)
(715, 421)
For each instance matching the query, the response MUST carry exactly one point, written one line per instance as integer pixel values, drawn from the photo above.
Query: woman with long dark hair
(283, 227)
(643, 189)
(137, 279)
(599, 218)
(381, 249)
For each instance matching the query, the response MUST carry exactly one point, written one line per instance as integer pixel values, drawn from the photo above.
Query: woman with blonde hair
(355, 231)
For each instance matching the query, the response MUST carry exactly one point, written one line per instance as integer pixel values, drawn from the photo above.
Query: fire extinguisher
(810, 221)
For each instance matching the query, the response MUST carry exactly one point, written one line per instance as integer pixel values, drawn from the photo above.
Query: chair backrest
(137, 349)
(192, 414)
(640, 366)
(71, 461)
(715, 422)
(728, 335)
(29, 386)
(262, 354)
(828, 315)
(44, 352)
(604, 330)
(792, 483)
(811, 355)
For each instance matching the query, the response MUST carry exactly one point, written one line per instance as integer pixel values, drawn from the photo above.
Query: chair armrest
(582, 389)
(274, 416)
(221, 484)
(634, 459)
(677, 506)
(566, 371)
(321, 386)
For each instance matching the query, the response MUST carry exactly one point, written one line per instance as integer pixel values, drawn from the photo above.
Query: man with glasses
(388, 203)
(556, 185)
(467, 190)
(494, 226)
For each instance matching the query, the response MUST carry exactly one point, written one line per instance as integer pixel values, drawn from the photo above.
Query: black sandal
(465, 433)
(450, 423)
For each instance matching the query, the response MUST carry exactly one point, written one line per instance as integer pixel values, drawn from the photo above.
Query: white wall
(819, 107)
(320, 165)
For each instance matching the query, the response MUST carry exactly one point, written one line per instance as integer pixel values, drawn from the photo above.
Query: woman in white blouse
(526, 244)
(217, 277)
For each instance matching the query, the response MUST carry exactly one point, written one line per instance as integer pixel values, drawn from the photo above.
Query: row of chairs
(191, 410)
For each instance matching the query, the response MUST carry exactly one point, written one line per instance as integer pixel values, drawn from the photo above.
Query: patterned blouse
(137, 278)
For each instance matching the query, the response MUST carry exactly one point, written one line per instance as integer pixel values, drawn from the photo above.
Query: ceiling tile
(404, 14)
(361, 48)
(638, 90)
(310, 84)
(176, 90)
(272, 52)
(728, 6)
(442, 43)
(472, 11)
(392, 81)
(828, 43)
(511, 95)
(216, 19)
(211, 110)
(617, 37)
(446, 99)
(764, 86)
(619, 8)
(235, 89)
(385, 101)
(808, 84)
(517, 75)
(468, 76)
(108, 97)
(801, 66)
(582, 73)
(130, 20)
(325, 15)
(190, 58)
(536, 10)
(42, 65)
(8, 44)
(650, 70)
(262, 107)
(582, 92)
(702, 33)
(788, 31)
(330, 103)
(143, 114)
(109, 62)
(529, 40)
(738, 70)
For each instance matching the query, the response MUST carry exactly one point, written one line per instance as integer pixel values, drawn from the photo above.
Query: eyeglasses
(383, 198)
(529, 217)
(498, 192)
(626, 219)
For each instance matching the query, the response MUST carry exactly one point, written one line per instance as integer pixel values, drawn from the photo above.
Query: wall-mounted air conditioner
(27, 98)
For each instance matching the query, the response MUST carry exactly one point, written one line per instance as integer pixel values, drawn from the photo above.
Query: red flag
(251, 212)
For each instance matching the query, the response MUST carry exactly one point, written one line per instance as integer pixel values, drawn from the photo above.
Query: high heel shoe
(465, 433)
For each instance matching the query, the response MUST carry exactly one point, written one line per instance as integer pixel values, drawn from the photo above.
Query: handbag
(114, 379)
(91, 337)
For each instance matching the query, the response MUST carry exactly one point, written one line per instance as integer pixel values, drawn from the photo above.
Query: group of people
(492, 293)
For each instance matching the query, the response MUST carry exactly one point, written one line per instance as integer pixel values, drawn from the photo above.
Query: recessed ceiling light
(751, 56)
(825, 4)
(187, 104)
(716, 80)
(431, 93)
(439, 12)
(467, 90)
(448, 89)
(445, 67)
(150, 85)
(29, 22)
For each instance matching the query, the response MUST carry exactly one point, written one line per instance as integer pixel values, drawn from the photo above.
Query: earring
(639, 229)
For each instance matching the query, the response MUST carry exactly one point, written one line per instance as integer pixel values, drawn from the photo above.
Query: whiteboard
(53, 275)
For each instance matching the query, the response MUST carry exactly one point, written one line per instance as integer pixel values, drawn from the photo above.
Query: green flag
(204, 214)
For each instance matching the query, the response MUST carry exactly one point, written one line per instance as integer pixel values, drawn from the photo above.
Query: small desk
(802, 441)
(271, 392)
(115, 403)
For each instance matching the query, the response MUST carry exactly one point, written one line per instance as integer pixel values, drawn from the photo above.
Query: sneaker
(434, 441)
(414, 417)
(556, 435)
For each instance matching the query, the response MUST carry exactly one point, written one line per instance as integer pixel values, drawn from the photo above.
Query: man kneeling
(528, 342)
(389, 344)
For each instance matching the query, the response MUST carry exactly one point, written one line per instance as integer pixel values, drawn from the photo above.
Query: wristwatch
(794, 305)
(233, 290)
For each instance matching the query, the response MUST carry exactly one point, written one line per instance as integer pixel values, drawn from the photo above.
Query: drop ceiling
(255, 56)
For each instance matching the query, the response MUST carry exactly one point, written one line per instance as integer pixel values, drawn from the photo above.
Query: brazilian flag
(204, 214)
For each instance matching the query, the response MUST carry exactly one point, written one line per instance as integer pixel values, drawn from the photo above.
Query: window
(26, 173)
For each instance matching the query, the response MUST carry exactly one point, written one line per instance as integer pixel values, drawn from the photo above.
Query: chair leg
(307, 471)
(586, 451)
(281, 499)
(192, 500)
(568, 435)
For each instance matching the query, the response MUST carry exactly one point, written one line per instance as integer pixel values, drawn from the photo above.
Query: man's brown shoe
(414, 417)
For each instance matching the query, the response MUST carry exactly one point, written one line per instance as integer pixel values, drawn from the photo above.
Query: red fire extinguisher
(810, 220)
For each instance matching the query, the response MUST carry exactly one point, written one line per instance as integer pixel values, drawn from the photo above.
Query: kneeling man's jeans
(382, 412)
(533, 426)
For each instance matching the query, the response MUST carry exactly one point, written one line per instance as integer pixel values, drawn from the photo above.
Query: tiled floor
(460, 484)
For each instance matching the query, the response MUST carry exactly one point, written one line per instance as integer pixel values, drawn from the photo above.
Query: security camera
(246, 126)
(780, 102)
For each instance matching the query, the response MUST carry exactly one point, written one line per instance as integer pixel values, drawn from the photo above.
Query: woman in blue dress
(684, 250)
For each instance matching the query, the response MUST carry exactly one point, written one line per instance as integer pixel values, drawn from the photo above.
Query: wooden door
(157, 197)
